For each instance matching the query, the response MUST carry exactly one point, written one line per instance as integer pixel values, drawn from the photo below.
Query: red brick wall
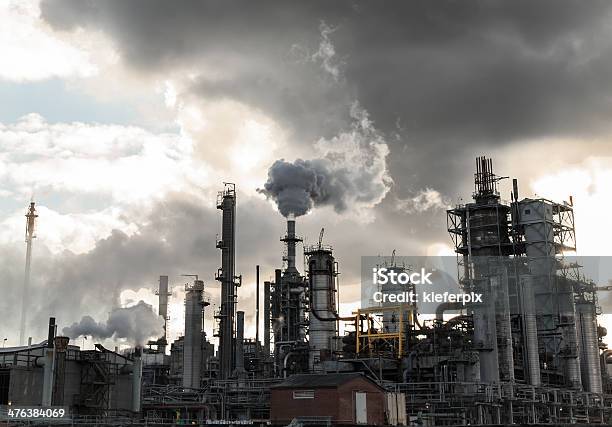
(283, 408)
(336, 403)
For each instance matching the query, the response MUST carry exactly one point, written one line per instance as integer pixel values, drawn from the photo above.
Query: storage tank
(323, 312)
(586, 323)
(192, 347)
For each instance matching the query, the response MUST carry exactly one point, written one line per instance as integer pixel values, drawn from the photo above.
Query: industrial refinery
(529, 352)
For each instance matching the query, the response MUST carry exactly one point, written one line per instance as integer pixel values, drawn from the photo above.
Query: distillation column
(480, 231)
(323, 315)
(192, 344)
(226, 202)
(29, 236)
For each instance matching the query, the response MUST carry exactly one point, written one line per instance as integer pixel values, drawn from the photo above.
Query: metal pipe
(137, 380)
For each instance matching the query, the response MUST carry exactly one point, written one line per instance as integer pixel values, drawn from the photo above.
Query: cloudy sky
(122, 120)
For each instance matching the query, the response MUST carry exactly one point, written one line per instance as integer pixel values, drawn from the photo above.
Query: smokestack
(256, 307)
(29, 236)
(47, 392)
(163, 310)
(266, 320)
(290, 240)
(136, 379)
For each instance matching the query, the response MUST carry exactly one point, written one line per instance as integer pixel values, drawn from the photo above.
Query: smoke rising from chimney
(136, 324)
(351, 172)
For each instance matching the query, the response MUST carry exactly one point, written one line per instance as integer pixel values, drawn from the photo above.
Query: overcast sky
(123, 118)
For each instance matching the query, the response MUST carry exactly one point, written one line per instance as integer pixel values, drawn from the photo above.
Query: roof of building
(320, 380)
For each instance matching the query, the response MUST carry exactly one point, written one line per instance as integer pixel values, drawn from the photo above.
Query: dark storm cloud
(444, 81)
(446, 78)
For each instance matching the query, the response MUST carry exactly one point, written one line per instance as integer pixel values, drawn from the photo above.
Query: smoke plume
(351, 172)
(136, 324)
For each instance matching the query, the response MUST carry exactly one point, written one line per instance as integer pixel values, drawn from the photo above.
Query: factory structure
(530, 353)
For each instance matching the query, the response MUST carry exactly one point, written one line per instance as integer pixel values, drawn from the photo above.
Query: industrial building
(531, 353)
(338, 399)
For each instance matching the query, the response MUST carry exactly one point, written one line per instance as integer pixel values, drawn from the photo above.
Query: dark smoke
(136, 324)
(351, 172)
(297, 186)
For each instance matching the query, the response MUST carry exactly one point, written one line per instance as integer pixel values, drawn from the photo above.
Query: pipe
(137, 379)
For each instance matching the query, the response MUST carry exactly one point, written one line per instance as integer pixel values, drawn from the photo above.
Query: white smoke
(351, 172)
(137, 324)
(423, 201)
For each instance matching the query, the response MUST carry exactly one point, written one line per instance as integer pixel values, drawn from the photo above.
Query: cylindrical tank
(586, 322)
(530, 330)
(192, 350)
(323, 313)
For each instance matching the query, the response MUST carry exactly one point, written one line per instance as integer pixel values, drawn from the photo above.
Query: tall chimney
(29, 236)
(163, 295)
(257, 307)
(290, 240)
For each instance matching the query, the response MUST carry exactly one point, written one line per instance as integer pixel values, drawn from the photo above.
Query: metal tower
(29, 236)
(226, 202)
